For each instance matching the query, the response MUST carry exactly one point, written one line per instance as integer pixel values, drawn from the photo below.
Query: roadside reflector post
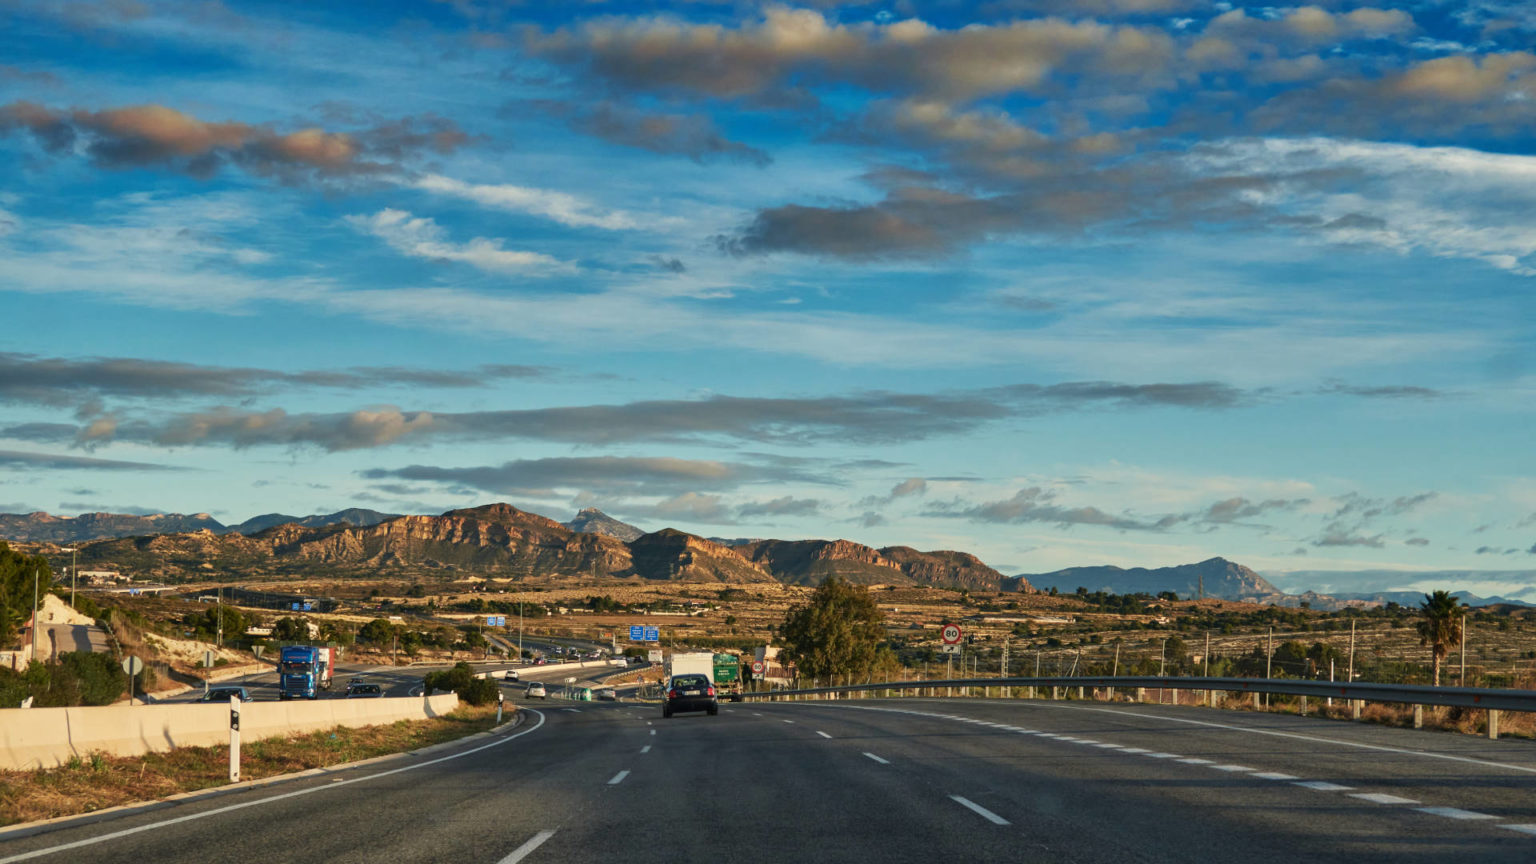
(1493, 723)
(234, 738)
(1303, 706)
(1418, 716)
(1255, 700)
(1355, 706)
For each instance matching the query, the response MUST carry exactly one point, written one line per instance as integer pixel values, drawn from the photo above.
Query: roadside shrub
(461, 680)
(98, 678)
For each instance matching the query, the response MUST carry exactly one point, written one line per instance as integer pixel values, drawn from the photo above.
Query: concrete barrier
(46, 737)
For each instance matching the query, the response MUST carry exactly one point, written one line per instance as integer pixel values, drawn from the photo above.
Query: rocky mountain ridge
(41, 527)
(500, 540)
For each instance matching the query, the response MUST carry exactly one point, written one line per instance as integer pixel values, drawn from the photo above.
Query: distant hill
(809, 562)
(46, 528)
(594, 521)
(352, 516)
(1218, 577)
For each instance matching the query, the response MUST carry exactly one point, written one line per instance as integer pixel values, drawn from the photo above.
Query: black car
(690, 693)
(222, 694)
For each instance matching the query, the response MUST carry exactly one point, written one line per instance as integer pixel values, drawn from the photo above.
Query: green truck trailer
(727, 676)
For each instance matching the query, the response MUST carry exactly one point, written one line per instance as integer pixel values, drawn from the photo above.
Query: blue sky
(1123, 281)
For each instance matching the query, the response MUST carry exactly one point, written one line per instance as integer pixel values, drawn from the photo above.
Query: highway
(904, 780)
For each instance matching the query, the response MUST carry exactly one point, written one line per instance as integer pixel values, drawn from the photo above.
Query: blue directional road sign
(652, 635)
(636, 633)
(495, 620)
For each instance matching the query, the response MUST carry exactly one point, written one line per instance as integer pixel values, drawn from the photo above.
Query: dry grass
(100, 781)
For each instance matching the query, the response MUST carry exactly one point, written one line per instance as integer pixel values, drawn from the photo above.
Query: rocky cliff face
(674, 555)
(808, 562)
(947, 569)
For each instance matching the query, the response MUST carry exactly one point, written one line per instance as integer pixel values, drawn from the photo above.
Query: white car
(536, 691)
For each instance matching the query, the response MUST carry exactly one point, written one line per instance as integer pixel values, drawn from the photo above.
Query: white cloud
(421, 237)
(1449, 202)
(562, 207)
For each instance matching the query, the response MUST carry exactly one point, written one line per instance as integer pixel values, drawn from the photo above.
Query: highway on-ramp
(901, 780)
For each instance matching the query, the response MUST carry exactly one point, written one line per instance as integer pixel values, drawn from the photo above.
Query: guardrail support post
(1493, 724)
(1418, 716)
(1355, 706)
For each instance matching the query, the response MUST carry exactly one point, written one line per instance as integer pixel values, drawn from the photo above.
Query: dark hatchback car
(690, 693)
(222, 694)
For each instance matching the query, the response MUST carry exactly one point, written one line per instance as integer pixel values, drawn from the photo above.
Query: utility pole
(1269, 659)
(73, 566)
(1351, 650)
(1162, 661)
(37, 574)
(220, 609)
(1461, 681)
(1207, 653)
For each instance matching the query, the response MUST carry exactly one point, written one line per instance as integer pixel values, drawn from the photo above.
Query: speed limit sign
(951, 634)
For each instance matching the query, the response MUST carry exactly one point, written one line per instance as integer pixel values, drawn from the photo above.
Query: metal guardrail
(1411, 694)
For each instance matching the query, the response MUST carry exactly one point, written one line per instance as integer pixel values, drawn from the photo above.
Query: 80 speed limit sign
(951, 634)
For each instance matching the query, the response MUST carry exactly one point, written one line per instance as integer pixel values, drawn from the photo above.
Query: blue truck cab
(303, 671)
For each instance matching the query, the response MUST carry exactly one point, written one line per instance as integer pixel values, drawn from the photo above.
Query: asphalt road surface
(903, 780)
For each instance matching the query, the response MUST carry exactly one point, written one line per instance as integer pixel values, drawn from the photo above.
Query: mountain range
(501, 540)
(43, 527)
(1214, 577)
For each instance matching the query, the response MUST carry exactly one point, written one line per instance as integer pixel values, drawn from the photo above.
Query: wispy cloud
(562, 207)
(421, 237)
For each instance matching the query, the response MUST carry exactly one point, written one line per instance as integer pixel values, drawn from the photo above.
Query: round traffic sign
(757, 667)
(951, 634)
(133, 665)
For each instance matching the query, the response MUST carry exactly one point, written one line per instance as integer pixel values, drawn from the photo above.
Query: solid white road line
(1380, 748)
(979, 810)
(1454, 813)
(645, 749)
(1323, 786)
(877, 759)
(1382, 798)
(618, 778)
(1526, 828)
(101, 838)
(522, 851)
(822, 734)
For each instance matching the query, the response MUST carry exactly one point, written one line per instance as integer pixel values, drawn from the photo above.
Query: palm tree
(1441, 626)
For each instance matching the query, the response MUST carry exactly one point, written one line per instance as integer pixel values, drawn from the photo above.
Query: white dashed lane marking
(877, 759)
(979, 810)
(1382, 798)
(1455, 813)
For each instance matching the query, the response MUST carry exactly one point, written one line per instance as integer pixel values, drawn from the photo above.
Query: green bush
(78, 678)
(461, 680)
